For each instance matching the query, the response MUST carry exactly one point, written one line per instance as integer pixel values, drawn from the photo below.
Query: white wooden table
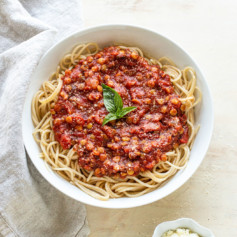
(207, 29)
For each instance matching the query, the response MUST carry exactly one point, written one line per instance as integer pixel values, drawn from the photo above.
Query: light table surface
(207, 29)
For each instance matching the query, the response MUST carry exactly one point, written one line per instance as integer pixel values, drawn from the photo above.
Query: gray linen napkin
(29, 206)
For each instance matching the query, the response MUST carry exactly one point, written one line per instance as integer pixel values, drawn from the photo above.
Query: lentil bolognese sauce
(128, 156)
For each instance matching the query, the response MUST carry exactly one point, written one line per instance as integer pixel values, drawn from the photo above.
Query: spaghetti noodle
(65, 161)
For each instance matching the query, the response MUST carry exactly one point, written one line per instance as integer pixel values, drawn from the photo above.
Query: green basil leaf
(109, 117)
(118, 102)
(114, 105)
(109, 98)
(125, 111)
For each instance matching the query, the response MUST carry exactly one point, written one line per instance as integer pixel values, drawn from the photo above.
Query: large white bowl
(155, 45)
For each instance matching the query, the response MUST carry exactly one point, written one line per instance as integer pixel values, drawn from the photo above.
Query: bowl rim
(103, 204)
(181, 221)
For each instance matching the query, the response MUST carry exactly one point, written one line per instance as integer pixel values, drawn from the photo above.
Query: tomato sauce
(129, 145)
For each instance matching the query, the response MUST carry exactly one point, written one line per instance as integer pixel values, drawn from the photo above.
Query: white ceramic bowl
(185, 223)
(157, 46)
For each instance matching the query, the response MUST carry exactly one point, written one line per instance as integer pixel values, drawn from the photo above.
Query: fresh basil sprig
(114, 105)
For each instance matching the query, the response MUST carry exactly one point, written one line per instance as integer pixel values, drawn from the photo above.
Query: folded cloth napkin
(29, 206)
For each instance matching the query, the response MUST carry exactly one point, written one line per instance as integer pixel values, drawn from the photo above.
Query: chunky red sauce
(129, 145)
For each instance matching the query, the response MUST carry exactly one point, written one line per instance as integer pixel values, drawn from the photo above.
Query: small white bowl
(153, 44)
(182, 223)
